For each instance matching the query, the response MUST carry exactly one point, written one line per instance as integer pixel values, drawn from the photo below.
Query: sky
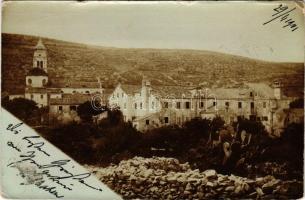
(229, 27)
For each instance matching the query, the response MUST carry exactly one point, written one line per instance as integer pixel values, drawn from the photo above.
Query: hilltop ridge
(74, 62)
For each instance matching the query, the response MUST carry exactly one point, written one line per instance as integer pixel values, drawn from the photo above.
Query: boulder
(210, 173)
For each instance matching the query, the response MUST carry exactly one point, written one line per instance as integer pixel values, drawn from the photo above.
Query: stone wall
(166, 178)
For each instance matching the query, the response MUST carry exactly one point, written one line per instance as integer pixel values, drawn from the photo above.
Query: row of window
(86, 92)
(32, 96)
(227, 104)
(118, 95)
(178, 105)
(71, 108)
(141, 105)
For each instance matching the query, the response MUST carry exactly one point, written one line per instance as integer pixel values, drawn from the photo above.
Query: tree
(22, 108)
(115, 116)
(86, 111)
(251, 126)
(294, 135)
(216, 124)
(198, 126)
(298, 103)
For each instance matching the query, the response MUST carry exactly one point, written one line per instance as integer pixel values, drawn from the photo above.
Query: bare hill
(79, 62)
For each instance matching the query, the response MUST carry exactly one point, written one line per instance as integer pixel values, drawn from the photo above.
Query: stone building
(148, 106)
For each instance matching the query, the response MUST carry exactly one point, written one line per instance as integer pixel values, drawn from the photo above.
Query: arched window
(41, 96)
(41, 64)
(135, 105)
(44, 81)
(29, 81)
(32, 96)
(37, 63)
(87, 92)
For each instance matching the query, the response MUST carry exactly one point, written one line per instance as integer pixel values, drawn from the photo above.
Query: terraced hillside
(72, 62)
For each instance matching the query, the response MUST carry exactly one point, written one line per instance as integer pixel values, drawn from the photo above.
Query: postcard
(152, 100)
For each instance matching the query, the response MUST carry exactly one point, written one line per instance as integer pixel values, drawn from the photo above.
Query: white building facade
(149, 106)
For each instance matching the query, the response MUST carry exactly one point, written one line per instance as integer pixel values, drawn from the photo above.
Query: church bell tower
(40, 56)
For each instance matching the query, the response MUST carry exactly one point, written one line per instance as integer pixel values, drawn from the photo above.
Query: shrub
(22, 108)
(298, 103)
(85, 111)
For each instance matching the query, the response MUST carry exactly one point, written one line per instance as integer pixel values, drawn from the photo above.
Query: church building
(37, 77)
(61, 99)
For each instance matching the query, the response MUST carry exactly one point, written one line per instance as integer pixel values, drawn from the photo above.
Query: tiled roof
(262, 89)
(75, 84)
(172, 91)
(107, 92)
(42, 90)
(37, 72)
(131, 89)
(230, 93)
(70, 99)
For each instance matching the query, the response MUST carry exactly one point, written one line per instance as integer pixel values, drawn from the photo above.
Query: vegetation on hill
(72, 62)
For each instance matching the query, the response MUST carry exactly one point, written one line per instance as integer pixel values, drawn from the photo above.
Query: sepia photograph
(156, 100)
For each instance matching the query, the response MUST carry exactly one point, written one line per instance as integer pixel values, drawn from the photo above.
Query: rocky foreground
(166, 178)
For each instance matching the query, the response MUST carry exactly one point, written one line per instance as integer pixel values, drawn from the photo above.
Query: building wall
(57, 109)
(134, 106)
(40, 98)
(81, 90)
(120, 99)
(166, 111)
(147, 123)
(145, 103)
(63, 116)
(37, 81)
(175, 114)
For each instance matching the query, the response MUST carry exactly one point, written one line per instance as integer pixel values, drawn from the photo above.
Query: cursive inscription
(36, 145)
(48, 176)
(11, 144)
(282, 13)
(13, 128)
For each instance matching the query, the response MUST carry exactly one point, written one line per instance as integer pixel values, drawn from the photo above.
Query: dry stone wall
(166, 178)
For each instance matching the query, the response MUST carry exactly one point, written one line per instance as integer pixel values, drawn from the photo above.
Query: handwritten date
(282, 13)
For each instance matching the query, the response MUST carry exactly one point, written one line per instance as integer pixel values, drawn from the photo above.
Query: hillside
(72, 62)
